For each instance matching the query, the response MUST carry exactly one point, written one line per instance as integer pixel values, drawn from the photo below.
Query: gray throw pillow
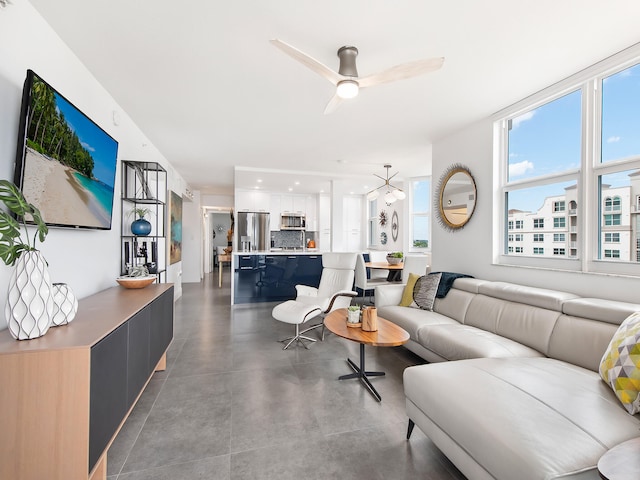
(424, 292)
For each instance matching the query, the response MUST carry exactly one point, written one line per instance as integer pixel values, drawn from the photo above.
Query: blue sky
(548, 139)
(102, 147)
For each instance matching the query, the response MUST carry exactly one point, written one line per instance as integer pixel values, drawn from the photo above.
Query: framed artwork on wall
(175, 228)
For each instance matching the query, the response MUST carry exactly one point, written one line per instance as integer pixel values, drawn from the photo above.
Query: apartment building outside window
(611, 237)
(547, 166)
(538, 237)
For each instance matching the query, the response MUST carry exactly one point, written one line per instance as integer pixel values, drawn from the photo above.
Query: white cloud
(515, 123)
(87, 146)
(519, 169)
(613, 139)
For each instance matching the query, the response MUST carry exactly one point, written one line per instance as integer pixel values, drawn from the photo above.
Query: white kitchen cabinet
(352, 225)
(324, 221)
(311, 212)
(299, 203)
(252, 201)
(275, 208)
(286, 203)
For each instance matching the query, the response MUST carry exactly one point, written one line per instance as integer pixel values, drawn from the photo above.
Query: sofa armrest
(388, 295)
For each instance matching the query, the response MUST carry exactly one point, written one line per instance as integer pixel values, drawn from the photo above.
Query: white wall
(192, 230)
(470, 250)
(89, 261)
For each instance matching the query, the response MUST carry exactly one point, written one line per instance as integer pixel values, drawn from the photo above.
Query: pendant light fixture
(392, 193)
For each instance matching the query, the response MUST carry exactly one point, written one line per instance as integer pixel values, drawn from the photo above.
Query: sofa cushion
(425, 289)
(459, 342)
(610, 311)
(520, 418)
(538, 297)
(620, 366)
(411, 319)
(580, 341)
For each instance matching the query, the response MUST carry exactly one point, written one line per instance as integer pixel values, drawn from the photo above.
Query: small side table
(622, 462)
(222, 259)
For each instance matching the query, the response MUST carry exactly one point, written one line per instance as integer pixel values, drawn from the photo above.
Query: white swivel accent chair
(368, 284)
(335, 291)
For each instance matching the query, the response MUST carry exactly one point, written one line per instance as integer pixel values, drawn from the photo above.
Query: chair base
(298, 338)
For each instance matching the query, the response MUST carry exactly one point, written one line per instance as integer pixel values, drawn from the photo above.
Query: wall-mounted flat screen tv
(65, 163)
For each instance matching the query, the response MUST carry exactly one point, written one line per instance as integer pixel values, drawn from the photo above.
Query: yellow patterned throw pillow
(620, 365)
(407, 293)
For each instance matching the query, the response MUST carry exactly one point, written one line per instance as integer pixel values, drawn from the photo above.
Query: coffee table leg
(361, 373)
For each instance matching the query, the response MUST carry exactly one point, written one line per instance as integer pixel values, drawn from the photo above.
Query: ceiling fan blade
(400, 72)
(306, 60)
(333, 104)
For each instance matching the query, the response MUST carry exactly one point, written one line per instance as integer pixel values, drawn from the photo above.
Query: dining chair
(417, 264)
(335, 291)
(364, 284)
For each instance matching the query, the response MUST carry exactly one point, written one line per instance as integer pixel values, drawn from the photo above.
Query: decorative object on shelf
(65, 305)
(394, 258)
(383, 238)
(392, 194)
(353, 316)
(456, 197)
(141, 227)
(29, 302)
(394, 226)
(175, 226)
(382, 219)
(138, 277)
(370, 319)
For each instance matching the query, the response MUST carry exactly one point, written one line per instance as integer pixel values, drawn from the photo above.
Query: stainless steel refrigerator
(253, 231)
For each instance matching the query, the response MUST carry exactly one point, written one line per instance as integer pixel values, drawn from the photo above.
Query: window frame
(590, 209)
(412, 215)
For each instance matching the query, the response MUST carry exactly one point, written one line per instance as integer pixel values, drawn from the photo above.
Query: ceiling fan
(346, 78)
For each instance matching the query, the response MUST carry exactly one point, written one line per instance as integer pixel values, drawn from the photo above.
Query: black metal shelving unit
(144, 185)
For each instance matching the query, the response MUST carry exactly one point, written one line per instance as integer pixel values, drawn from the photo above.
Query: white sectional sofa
(513, 390)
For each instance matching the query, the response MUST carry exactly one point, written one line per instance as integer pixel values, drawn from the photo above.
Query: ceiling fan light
(399, 194)
(347, 89)
(373, 194)
(389, 197)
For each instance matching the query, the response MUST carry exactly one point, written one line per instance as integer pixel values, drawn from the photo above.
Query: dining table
(395, 270)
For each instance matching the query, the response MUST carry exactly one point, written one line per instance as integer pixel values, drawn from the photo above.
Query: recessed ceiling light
(321, 191)
(259, 180)
(257, 187)
(350, 193)
(290, 189)
(296, 183)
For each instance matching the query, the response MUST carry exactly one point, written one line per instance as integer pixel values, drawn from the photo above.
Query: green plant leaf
(12, 197)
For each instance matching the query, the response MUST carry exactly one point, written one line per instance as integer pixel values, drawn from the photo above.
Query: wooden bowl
(136, 282)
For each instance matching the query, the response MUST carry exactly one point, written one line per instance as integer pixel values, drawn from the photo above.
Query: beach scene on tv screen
(69, 164)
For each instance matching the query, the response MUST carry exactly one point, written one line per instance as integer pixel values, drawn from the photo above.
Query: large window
(420, 196)
(574, 149)
(372, 222)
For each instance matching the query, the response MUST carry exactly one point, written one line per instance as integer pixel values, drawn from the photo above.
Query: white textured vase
(65, 305)
(29, 305)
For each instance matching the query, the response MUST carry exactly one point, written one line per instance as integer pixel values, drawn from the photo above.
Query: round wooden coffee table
(388, 335)
(622, 462)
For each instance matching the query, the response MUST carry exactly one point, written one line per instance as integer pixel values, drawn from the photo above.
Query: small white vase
(29, 306)
(65, 305)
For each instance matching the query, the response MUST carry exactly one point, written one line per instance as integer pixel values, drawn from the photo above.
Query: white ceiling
(204, 84)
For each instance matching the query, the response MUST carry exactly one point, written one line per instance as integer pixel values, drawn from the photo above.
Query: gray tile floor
(233, 405)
